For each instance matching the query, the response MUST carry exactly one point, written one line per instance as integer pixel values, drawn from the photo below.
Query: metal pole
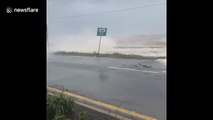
(99, 45)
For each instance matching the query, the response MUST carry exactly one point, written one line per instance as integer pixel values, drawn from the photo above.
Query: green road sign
(102, 32)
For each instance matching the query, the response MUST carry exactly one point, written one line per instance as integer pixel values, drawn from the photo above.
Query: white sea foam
(163, 61)
(89, 43)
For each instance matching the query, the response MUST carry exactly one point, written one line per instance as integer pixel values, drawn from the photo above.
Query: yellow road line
(120, 117)
(105, 105)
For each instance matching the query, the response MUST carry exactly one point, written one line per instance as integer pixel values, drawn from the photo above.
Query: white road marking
(145, 71)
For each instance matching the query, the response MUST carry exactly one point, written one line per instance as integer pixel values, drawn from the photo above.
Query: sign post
(99, 45)
(101, 32)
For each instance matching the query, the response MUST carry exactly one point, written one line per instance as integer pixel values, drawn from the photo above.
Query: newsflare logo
(25, 10)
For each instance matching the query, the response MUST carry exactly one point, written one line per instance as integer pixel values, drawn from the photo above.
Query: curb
(102, 107)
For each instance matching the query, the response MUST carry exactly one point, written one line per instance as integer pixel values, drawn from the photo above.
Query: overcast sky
(65, 20)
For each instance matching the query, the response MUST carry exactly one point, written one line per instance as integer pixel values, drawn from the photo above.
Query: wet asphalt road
(124, 82)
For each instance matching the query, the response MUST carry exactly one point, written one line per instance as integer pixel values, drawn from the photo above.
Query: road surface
(138, 85)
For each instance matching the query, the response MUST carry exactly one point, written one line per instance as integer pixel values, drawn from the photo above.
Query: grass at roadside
(113, 55)
(63, 108)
